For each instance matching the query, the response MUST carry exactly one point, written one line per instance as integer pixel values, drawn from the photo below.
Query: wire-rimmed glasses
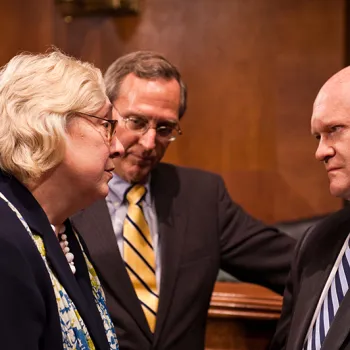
(166, 130)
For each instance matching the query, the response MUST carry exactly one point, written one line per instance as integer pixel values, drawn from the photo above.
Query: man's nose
(116, 147)
(148, 139)
(324, 151)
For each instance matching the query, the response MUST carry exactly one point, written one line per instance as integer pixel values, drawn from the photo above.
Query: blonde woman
(57, 142)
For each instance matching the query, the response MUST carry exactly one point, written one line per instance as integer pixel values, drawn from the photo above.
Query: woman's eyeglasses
(109, 125)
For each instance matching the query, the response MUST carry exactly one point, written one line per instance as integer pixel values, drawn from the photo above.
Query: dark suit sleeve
(250, 250)
(21, 308)
(279, 341)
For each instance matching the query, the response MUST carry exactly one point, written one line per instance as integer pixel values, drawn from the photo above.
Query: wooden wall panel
(253, 69)
(25, 26)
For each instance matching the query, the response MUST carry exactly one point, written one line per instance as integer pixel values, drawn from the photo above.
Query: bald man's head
(330, 124)
(337, 87)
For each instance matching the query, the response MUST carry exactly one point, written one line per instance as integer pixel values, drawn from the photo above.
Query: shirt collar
(118, 187)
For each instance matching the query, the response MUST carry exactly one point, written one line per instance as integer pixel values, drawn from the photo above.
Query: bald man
(316, 309)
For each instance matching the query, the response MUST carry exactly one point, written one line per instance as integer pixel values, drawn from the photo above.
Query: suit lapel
(95, 226)
(38, 222)
(340, 326)
(315, 276)
(308, 297)
(171, 226)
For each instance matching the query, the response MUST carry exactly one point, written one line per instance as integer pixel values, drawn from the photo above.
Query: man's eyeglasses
(108, 125)
(165, 130)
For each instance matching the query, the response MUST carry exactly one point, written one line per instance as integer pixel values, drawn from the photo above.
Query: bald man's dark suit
(315, 256)
(201, 230)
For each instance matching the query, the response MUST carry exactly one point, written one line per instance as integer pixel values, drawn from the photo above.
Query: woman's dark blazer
(29, 317)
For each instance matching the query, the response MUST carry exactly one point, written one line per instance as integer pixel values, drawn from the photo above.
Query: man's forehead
(149, 94)
(330, 108)
(332, 101)
(322, 110)
(320, 102)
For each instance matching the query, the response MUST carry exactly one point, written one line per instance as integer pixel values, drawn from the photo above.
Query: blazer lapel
(38, 222)
(172, 227)
(95, 226)
(65, 276)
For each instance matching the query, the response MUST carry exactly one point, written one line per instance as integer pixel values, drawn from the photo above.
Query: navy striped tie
(139, 255)
(329, 308)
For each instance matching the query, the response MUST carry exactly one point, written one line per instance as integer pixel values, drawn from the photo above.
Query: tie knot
(135, 194)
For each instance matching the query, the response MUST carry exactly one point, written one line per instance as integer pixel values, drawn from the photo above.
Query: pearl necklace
(62, 237)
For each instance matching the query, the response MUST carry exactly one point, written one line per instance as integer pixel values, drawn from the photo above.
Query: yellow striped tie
(139, 254)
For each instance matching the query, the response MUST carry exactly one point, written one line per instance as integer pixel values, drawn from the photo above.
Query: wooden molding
(244, 300)
(241, 316)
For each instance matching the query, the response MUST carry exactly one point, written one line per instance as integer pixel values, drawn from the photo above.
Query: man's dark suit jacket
(28, 310)
(314, 259)
(200, 229)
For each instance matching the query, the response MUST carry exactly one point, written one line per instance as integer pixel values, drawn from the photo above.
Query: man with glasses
(164, 231)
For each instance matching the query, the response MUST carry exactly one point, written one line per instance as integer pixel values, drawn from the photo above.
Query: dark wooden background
(253, 69)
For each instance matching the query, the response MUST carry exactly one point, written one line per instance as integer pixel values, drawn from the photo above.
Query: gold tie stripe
(139, 254)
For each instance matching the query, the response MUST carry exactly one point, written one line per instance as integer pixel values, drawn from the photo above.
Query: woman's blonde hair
(37, 95)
